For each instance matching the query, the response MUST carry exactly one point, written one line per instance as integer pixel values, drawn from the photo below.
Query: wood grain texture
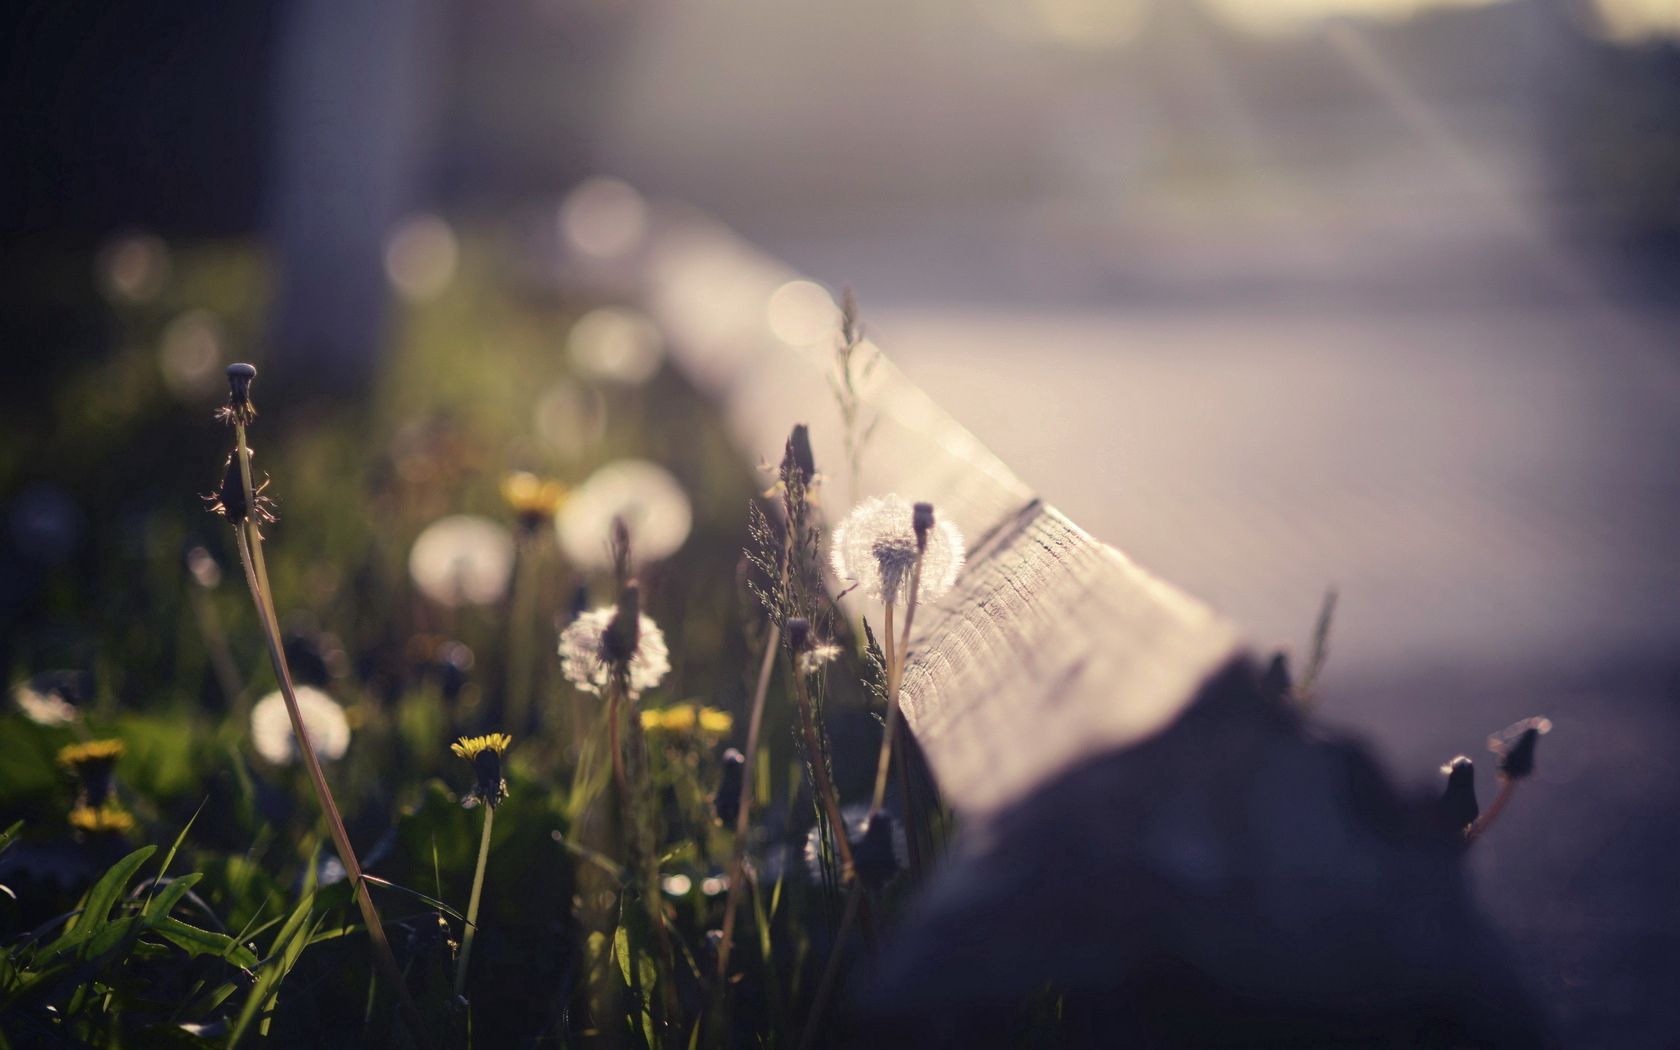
(1053, 647)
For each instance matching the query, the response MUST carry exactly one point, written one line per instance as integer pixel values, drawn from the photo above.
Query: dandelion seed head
(583, 658)
(462, 559)
(643, 495)
(875, 548)
(323, 719)
(44, 706)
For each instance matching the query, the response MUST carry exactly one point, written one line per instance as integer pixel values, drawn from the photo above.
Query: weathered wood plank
(1053, 647)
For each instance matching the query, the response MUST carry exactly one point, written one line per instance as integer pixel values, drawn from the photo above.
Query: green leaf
(96, 907)
(283, 953)
(204, 942)
(165, 902)
(621, 952)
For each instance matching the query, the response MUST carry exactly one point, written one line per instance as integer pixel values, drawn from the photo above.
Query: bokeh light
(420, 257)
(133, 268)
(604, 217)
(615, 345)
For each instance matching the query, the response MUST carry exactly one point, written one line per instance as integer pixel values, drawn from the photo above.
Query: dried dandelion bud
(726, 803)
(584, 660)
(239, 410)
(921, 519)
(618, 645)
(877, 544)
(1515, 746)
(1457, 807)
(229, 499)
(798, 452)
(799, 634)
(485, 754)
(1276, 683)
(875, 852)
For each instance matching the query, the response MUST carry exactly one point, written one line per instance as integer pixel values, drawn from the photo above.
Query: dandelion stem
(472, 903)
(854, 895)
(256, 577)
(737, 858)
(895, 678)
(1507, 787)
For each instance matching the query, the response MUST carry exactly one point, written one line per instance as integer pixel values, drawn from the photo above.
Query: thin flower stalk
(485, 754)
(472, 903)
(256, 577)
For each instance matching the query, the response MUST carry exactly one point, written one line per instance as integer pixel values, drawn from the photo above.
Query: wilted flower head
(239, 409)
(644, 496)
(684, 719)
(229, 499)
(1515, 745)
(533, 500)
(876, 545)
(462, 559)
(726, 801)
(323, 720)
(92, 763)
(485, 754)
(585, 660)
(809, 655)
(1458, 807)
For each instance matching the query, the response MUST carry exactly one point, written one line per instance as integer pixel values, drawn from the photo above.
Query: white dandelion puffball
(875, 548)
(584, 666)
(462, 559)
(323, 720)
(644, 495)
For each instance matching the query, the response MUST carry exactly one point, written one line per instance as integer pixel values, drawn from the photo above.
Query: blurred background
(1274, 295)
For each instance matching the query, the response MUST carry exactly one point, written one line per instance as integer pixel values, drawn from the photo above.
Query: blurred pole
(354, 117)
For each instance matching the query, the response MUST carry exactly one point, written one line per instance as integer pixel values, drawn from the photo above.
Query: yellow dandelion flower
(678, 718)
(532, 499)
(714, 722)
(91, 753)
(101, 819)
(469, 747)
(485, 754)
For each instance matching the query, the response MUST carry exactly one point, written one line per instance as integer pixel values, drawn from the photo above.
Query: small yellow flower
(485, 754)
(91, 753)
(685, 719)
(92, 764)
(101, 819)
(533, 500)
(468, 747)
(678, 718)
